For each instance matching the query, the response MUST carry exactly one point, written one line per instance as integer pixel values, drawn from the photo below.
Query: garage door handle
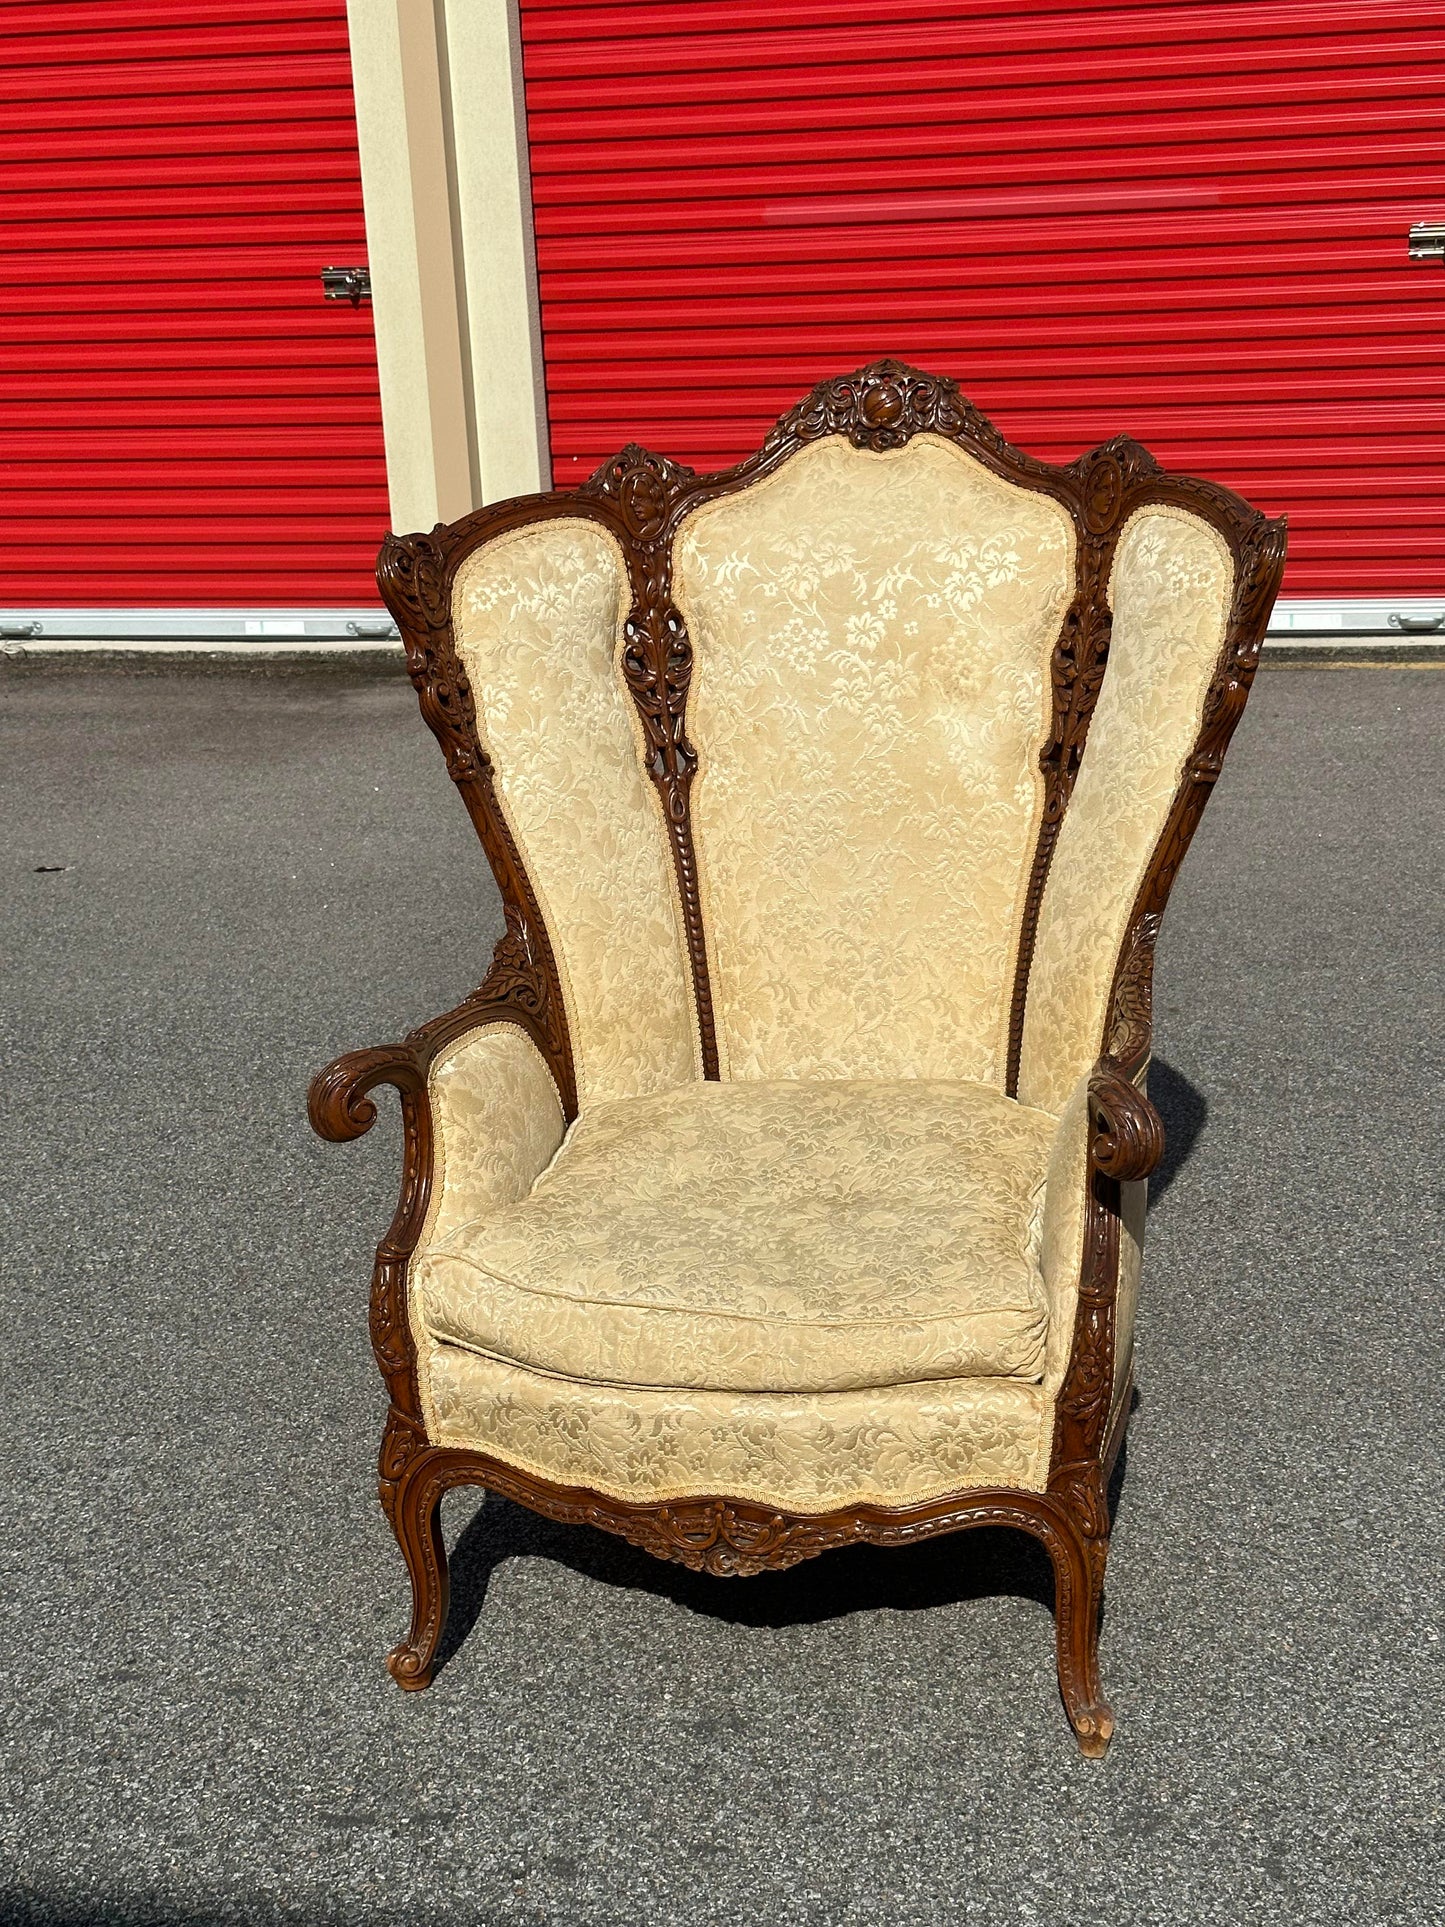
(347, 284)
(1418, 625)
(1427, 241)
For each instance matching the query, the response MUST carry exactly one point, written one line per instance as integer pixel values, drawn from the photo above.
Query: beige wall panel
(395, 65)
(494, 222)
(442, 131)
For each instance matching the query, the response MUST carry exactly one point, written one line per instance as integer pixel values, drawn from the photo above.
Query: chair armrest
(1107, 1131)
(338, 1102)
(481, 1117)
(1126, 1136)
(481, 1110)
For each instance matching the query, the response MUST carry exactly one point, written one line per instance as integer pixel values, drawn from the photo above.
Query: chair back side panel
(536, 617)
(1171, 590)
(872, 634)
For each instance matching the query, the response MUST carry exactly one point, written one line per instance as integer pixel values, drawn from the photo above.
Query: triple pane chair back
(788, 763)
(872, 761)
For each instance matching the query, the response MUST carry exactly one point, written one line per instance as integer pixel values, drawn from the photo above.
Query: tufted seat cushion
(765, 1237)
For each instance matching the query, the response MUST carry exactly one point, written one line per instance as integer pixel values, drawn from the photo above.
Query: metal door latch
(354, 284)
(1427, 241)
(1418, 625)
(20, 629)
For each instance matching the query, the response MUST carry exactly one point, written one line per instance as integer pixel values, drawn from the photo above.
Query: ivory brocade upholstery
(847, 1271)
(538, 615)
(872, 636)
(798, 1452)
(1170, 589)
(752, 1237)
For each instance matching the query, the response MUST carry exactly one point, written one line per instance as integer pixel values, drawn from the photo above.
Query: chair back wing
(872, 757)
(536, 618)
(1171, 590)
(872, 633)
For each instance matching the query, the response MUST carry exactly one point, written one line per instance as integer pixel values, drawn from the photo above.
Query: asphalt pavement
(215, 882)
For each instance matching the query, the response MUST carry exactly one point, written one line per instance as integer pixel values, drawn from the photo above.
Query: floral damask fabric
(496, 1122)
(765, 1237)
(1061, 1251)
(872, 639)
(792, 1451)
(1170, 589)
(536, 616)
(1061, 1244)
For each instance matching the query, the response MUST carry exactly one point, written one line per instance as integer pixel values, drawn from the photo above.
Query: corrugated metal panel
(1187, 221)
(183, 418)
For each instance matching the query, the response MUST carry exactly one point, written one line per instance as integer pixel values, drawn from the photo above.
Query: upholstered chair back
(850, 763)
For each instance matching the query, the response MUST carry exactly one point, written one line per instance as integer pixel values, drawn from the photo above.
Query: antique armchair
(783, 1184)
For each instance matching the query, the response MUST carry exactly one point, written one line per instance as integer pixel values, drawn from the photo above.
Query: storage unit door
(184, 420)
(1184, 221)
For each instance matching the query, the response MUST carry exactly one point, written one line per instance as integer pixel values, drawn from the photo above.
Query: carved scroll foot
(1078, 1594)
(416, 1520)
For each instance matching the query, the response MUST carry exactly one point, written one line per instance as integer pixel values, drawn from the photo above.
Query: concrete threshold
(359, 657)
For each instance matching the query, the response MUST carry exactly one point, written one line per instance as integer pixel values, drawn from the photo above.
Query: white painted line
(260, 650)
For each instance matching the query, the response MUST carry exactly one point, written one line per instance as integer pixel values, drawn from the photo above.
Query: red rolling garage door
(183, 419)
(1188, 221)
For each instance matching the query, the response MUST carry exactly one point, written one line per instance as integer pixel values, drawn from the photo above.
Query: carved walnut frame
(641, 499)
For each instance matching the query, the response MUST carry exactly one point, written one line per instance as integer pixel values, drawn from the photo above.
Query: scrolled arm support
(1126, 1132)
(338, 1103)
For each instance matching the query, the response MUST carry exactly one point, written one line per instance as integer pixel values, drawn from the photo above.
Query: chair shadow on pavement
(1184, 1111)
(987, 1562)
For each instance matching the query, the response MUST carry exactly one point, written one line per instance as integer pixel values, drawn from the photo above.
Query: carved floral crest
(879, 407)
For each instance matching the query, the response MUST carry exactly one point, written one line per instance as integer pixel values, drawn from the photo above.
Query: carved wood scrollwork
(1128, 1134)
(647, 490)
(642, 487)
(883, 406)
(1078, 1478)
(657, 662)
(1126, 1141)
(414, 578)
(341, 1108)
(735, 1538)
(1131, 1021)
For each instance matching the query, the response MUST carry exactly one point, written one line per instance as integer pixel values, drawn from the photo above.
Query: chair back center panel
(537, 617)
(872, 635)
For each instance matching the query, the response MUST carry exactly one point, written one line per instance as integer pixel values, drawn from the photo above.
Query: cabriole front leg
(1079, 1564)
(1125, 1142)
(411, 1479)
(415, 1478)
(414, 1508)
